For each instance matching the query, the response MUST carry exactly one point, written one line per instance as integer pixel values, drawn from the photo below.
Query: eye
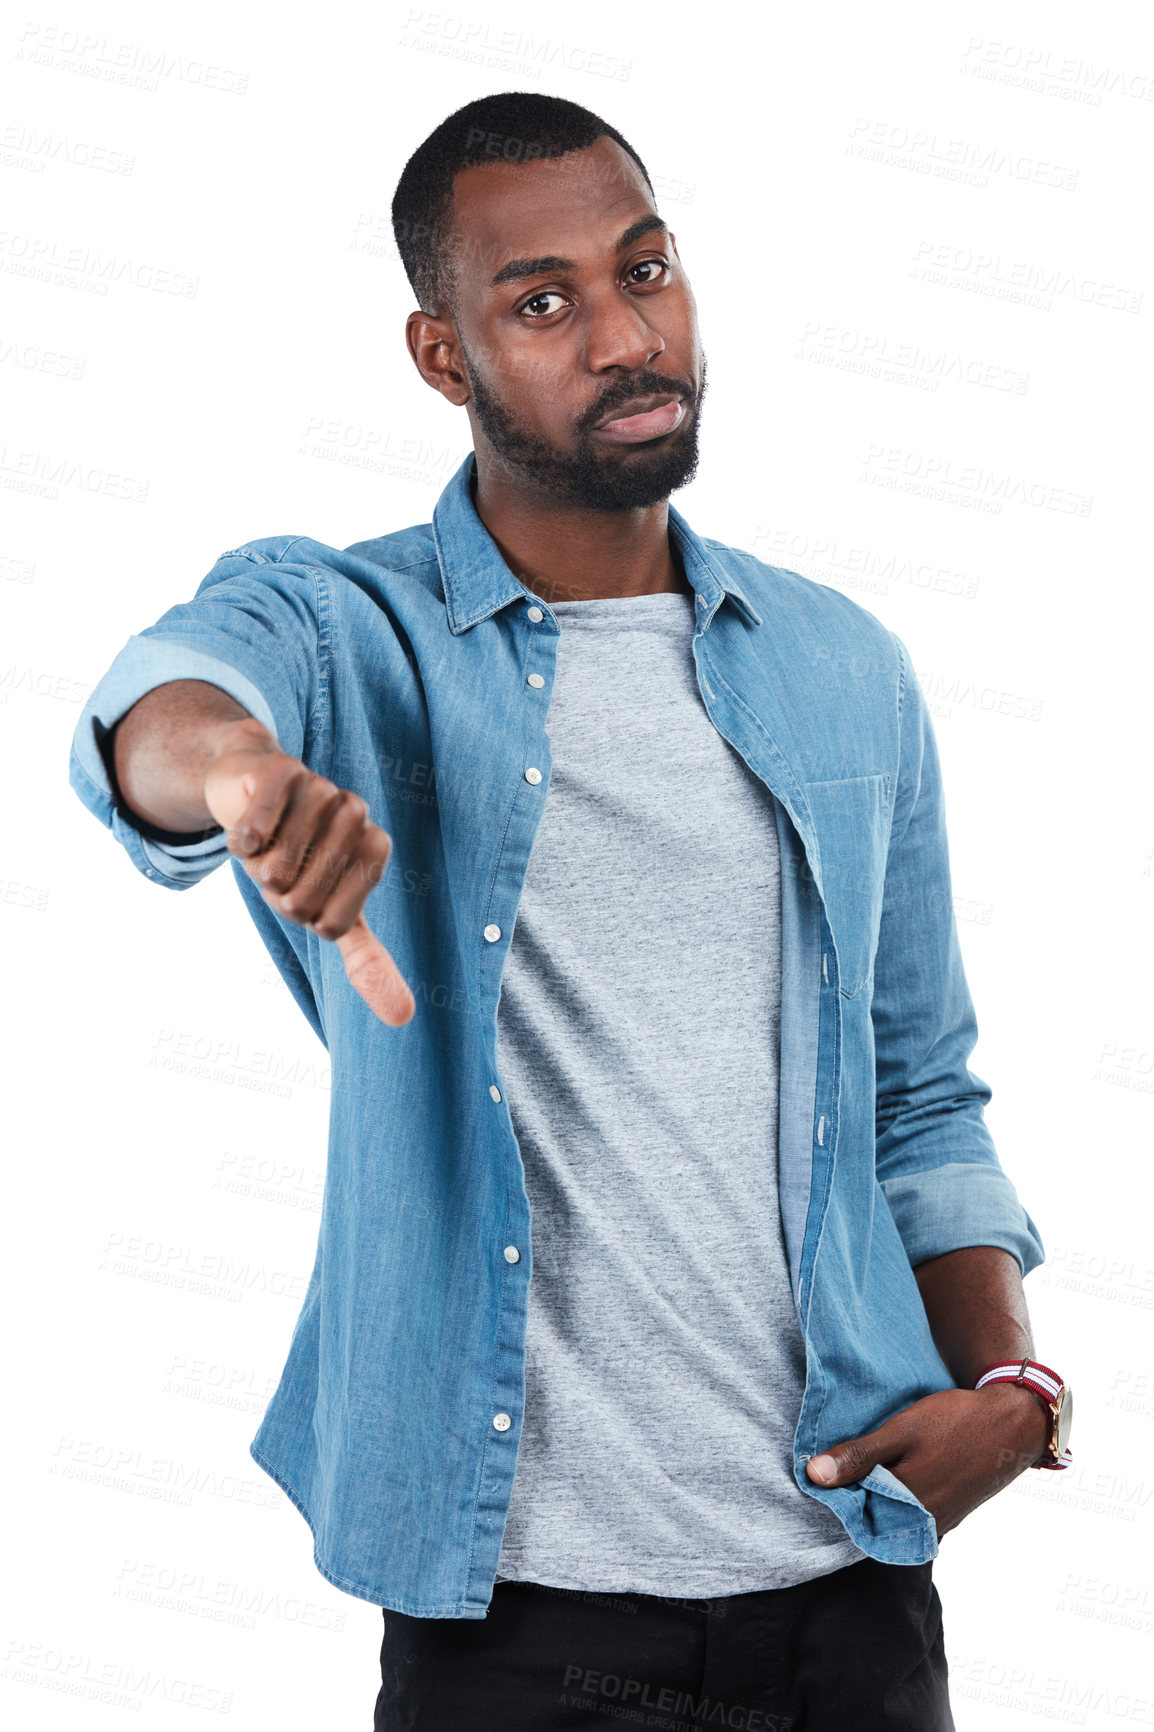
(535, 306)
(655, 266)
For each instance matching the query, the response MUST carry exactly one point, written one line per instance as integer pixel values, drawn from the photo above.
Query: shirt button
(536, 615)
(501, 1422)
(492, 933)
(537, 680)
(532, 775)
(512, 1255)
(494, 1091)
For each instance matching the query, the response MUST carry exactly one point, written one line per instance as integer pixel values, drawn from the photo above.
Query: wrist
(1025, 1419)
(237, 734)
(228, 752)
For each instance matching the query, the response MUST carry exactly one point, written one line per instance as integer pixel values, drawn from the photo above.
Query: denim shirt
(399, 668)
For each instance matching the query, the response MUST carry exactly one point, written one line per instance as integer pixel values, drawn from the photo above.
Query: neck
(566, 553)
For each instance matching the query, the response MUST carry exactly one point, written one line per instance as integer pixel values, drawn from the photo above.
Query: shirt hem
(360, 1590)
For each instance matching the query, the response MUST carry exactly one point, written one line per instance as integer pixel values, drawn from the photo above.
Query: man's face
(577, 329)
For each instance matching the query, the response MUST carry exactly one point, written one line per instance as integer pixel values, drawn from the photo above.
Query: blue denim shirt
(398, 667)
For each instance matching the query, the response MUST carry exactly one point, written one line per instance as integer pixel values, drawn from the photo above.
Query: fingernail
(823, 1468)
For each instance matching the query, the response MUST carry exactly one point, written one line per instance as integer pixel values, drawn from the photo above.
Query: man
(659, 1002)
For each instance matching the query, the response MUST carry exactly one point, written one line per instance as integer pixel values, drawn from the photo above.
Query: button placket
(492, 932)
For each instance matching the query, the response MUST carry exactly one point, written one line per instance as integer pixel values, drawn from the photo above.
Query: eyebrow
(547, 265)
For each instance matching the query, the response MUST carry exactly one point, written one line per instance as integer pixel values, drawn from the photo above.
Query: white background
(919, 242)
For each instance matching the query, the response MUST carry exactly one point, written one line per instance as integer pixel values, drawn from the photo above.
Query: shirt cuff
(170, 858)
(947, 1208)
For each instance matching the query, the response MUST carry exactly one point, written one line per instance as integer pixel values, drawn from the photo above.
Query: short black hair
(514, 126)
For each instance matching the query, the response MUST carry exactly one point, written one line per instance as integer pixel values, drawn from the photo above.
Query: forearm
(165, 744)
(976, 1308)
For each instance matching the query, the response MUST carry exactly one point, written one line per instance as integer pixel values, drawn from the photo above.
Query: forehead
(576, 205)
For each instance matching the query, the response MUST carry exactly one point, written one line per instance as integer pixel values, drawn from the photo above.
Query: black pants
(859, 1650)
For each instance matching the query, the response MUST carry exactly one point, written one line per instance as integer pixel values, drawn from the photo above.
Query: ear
(433, 344)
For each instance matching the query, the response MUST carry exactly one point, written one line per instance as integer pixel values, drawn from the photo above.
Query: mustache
(642, 384)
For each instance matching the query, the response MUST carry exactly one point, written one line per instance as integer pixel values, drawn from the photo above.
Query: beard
(588, 475)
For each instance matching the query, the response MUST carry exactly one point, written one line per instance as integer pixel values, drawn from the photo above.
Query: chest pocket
(852, 820)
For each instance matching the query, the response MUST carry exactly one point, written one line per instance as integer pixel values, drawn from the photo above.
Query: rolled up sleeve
(255, 629)
(936, 1161)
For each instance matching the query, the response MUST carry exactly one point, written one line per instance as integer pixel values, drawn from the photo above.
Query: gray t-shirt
(638, 1030)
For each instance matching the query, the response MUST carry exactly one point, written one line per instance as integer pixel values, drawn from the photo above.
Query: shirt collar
(477, 581)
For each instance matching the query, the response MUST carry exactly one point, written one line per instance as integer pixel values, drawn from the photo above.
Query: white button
(536, 615)
(501, 1422)
(512, 1255)
(494, 1091)
(537, 680)
(492, 933)
(532, 775)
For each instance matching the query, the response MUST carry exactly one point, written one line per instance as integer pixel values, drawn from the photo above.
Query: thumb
(845, 1463)
(374, 974)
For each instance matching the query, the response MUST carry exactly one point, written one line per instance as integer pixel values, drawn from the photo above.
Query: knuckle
(268, 874)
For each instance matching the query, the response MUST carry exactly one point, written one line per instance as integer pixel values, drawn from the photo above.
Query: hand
(953, 1450)
(312, 850)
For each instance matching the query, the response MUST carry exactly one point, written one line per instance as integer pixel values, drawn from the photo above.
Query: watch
(1056, 1397)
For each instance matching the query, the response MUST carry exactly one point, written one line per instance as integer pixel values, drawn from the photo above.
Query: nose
(619, 335)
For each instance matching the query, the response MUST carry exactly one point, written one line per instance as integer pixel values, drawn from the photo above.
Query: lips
(645, 418)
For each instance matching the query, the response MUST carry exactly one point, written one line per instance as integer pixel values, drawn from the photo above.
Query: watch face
(1064, 1420)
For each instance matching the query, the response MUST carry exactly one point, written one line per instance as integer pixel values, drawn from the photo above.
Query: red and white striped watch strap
(1040, 1380)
